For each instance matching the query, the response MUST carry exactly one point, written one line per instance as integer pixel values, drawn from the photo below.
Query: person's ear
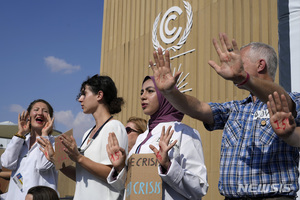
(262, 66)
(100, 95)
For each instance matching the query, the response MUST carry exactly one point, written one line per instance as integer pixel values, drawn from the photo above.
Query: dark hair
(146, 79)
(43, 193)
(43, 101)
(107, 86)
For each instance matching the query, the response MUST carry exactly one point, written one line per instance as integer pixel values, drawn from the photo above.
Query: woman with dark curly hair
(98, 96)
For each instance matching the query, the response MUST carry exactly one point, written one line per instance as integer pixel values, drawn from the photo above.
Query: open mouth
(39, 120)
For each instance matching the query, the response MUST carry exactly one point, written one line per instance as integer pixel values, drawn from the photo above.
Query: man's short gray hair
(260, 50)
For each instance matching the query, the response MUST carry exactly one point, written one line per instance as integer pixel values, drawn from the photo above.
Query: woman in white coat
(23, 155)
(98, 96)
(179, 152)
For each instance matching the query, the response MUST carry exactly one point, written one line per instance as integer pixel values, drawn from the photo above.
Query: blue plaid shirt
(254, 161)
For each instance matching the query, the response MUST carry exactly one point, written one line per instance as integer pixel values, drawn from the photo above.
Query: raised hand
(46, 148)
(164, 147)
(116, 154)
(48, 128)
(281, 119)
(164, 79)
(23, 123)
(231, 67)
(70, 147)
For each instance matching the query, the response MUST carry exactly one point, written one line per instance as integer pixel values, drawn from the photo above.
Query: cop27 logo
(172, 35)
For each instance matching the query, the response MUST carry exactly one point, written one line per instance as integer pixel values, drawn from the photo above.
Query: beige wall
(127, 47)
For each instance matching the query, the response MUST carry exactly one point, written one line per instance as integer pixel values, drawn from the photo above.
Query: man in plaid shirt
(256, 163)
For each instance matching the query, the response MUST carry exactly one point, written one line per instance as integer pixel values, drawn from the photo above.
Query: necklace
(94, 136)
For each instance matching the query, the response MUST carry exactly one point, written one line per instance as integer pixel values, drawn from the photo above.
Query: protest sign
(143, 181)
(4, 182)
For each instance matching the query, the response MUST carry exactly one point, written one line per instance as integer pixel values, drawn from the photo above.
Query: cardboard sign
(61, 158)
(4, 182)
(143, 181)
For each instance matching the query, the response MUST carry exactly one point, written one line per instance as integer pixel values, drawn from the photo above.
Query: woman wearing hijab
(179, 152)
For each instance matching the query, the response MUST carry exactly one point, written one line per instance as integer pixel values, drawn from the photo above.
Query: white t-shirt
(32, 165)
(89, 187)
(187, 175)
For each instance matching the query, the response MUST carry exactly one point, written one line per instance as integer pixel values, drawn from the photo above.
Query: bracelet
(20, 136)
(245, 81)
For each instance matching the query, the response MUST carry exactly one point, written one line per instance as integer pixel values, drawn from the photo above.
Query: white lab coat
(34, 167)
(187, 175)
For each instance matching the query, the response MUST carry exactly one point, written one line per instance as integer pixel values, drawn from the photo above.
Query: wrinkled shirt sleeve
(117, 182)
(190, 177)
(9, 158)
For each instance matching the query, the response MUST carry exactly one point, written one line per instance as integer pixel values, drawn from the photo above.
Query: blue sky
(48, 48)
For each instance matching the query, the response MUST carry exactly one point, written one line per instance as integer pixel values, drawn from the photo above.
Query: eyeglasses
(129, 130)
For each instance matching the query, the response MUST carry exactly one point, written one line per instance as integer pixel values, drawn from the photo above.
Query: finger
(19, 118)
(171, 145)
(42, 150)
(170, 136)
(162, 135)
(65, 138)
(73, 140)
(214, 65)
(217, 47)
(27, 123)
(167, 133)
(110, 140)
(122, 150)
(108, 150)
(153, 67)
(269, 109)
(41, 141)
(161, 59)
(115, 139)
(153, 148)
(291, 119)
(66, 143)
(176, 76)
(48, 118)
(235, 46)
(272, 105)
(223, 45)
(285, 106)
(277, 102)
(227, 45)
(22, 116)
(26, 114)
(168, 130)
(155, 56)
(167, 59)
